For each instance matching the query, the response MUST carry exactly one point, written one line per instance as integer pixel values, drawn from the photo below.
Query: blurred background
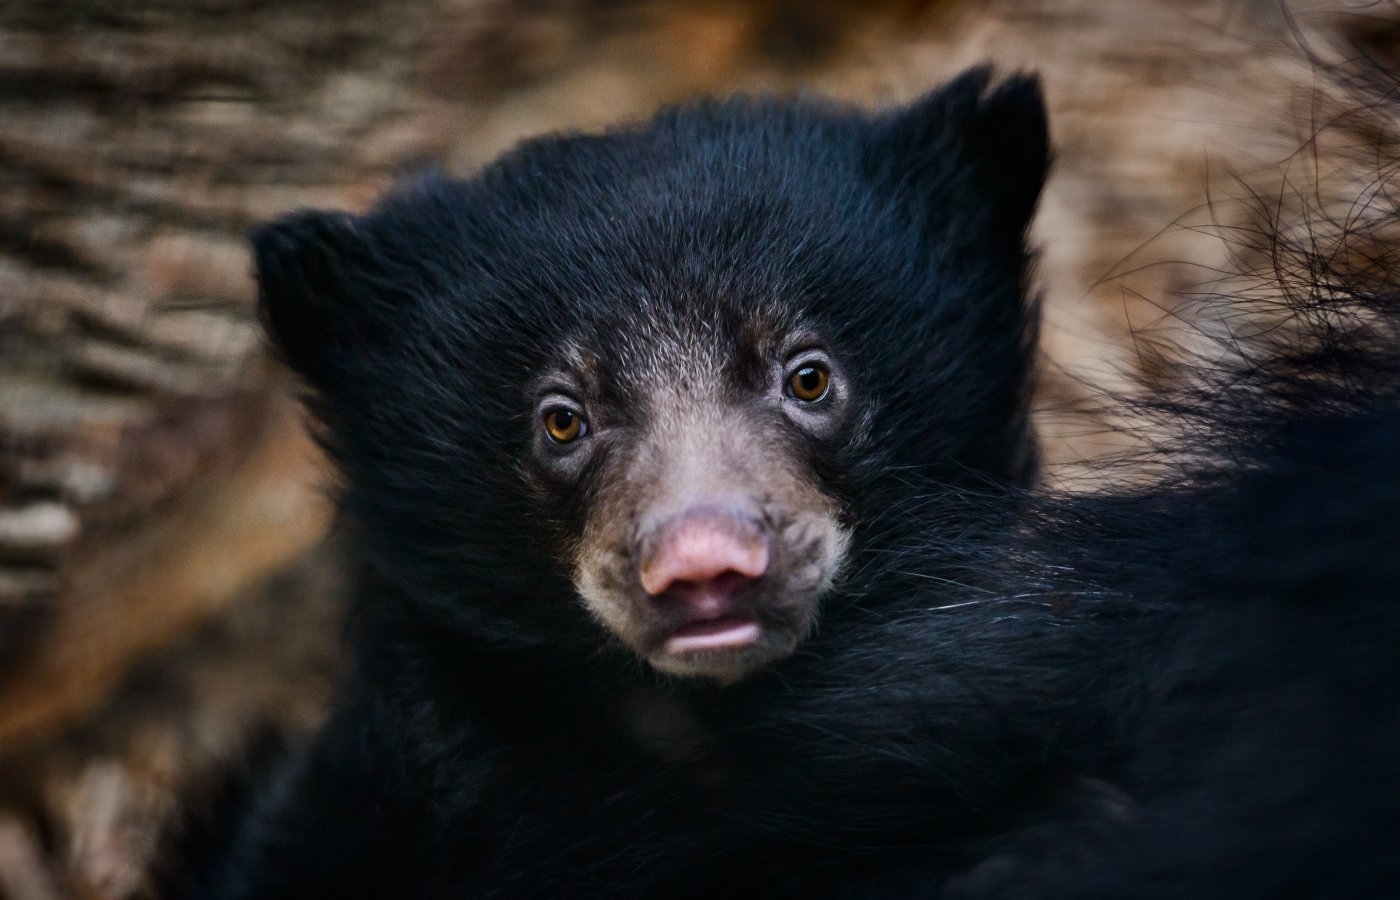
(166, 588)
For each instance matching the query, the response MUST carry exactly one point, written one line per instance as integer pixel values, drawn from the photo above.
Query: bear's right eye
(564, 425)
(809, 383)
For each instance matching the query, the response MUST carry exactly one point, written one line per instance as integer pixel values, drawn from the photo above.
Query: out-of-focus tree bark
(153, 465)
(149, 466)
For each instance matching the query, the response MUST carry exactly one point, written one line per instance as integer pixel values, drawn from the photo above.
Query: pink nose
(703, 555)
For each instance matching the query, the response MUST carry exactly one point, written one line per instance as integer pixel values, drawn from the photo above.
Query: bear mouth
(724, 633)
(720, 617)
(728, 643)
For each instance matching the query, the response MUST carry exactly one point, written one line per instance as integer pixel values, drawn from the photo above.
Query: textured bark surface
(147, 468)
(163, 591)
(154, 474)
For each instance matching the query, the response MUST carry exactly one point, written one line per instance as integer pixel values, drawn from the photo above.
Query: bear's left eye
(809, 382)
(564, 426)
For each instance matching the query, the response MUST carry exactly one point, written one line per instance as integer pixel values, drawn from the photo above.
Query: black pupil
(563, 420)
(809, 379)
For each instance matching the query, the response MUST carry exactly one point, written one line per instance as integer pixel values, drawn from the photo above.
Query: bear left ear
(975, 142)
(319, 300)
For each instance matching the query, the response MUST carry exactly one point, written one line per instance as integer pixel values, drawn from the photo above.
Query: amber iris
(563, 425)
(809, 383)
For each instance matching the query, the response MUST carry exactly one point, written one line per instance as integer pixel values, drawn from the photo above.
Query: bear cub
(689, 469)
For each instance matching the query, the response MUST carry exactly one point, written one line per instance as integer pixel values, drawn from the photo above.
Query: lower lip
(728, 633)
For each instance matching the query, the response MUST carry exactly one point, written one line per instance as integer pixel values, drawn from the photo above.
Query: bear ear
(312, 291)
(975, 141)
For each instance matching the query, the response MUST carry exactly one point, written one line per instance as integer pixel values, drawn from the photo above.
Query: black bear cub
(689, 465)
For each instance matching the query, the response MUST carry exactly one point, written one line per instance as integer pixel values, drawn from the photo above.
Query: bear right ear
(978, 140)
(312, 297)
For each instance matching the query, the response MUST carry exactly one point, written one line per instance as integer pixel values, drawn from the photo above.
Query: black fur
(1188, 690)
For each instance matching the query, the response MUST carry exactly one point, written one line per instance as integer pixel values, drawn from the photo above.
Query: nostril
(686, 570)
(703, 553)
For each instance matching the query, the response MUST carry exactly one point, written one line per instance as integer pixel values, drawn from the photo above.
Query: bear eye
(564, 426)
(809, 383)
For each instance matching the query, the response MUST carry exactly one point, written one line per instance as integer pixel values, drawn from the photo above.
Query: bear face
(655, 388)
